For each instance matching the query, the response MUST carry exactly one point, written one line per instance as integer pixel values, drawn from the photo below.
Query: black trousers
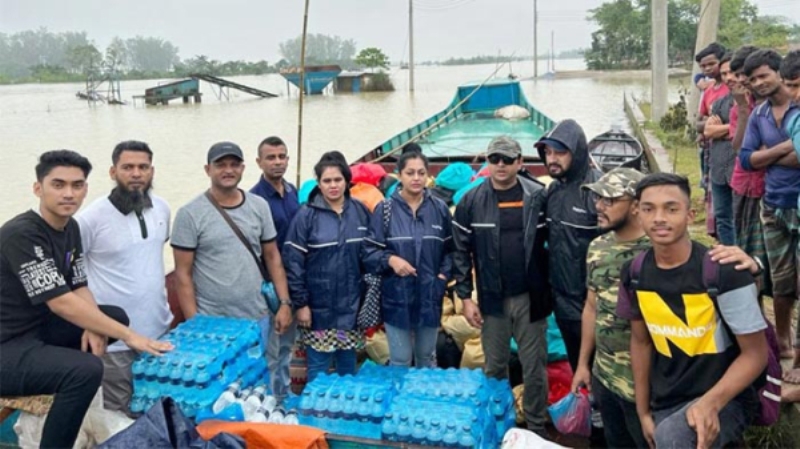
(571, 333)
(48, 360)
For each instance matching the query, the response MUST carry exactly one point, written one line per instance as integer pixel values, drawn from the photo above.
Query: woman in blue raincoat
(412, 252)
(322, 256)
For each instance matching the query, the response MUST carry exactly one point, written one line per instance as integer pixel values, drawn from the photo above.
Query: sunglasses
(609, 202)
(495, 159)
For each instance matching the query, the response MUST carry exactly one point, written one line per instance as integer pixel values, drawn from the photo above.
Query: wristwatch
(760, 266)
(286, 302)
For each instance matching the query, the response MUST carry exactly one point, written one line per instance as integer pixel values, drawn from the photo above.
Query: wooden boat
(616, 148)
(462, 131)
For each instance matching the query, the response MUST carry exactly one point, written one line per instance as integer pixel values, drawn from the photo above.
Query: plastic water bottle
(306, 403)
(404, 428)
(269, 403)
(450, 437)
(138, 369)
(349, 406)
(363, 410)
(291, 418)
(227, 398)
(331, 408)
(162, 375)
(377, 408)
(419, 432)
(498, 411)
(435, 433)
(175, 373)
(252, 402)
(277, 416)
(203, 377)
(150, 370)
(466, 440)
(389, 428)
(188, 374)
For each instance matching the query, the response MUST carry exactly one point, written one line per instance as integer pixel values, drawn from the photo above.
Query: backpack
(369, 312)
(768, 384)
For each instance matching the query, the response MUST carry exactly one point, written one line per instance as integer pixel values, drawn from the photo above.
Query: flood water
(35, 118)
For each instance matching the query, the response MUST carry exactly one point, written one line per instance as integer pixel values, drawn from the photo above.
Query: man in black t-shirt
(49, 321)
(499, 228)
(694, 356)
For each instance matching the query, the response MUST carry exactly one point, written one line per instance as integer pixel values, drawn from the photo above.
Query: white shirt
(126, 269)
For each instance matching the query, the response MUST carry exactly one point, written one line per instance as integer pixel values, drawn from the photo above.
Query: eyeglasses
(495, 159)
(609, 202)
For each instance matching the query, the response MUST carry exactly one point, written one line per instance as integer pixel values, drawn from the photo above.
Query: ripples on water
(35, 118)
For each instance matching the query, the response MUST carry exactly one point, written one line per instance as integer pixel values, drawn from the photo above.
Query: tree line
(44, 56)
(622, 40)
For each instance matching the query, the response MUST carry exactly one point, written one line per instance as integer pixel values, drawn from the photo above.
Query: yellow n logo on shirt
(693, 337)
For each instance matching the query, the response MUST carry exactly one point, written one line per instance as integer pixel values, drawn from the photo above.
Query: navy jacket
(322, 257)
(571, 222)
(424, 241)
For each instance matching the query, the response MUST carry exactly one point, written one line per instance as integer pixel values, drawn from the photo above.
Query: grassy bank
(685, 159)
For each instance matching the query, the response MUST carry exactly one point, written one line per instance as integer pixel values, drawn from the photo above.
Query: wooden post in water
(301, 85)
(658, 57)
(535, 39)
(411, 45)
(706, 34)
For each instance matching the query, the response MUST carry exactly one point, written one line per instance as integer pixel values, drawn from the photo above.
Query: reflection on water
(36, 118)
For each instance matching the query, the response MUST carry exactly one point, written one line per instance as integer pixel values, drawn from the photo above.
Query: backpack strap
(635, 269)
(711, 276)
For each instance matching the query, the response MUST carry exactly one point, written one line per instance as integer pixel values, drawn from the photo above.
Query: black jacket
(571, 222)
(476, 236)
(322, 257)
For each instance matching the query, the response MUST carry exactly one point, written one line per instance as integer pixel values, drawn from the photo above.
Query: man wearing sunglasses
(511, 272)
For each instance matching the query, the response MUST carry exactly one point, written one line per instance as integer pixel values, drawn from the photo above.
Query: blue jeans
(319, 362)
(279, 356)
(673, 431)
(403, 345)
(722, 200)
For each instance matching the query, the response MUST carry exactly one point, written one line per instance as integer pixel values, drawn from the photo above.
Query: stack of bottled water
(433, 407)
(210, 353)
(252, 405)
(446, 408)
(501, 406)
(346, 405)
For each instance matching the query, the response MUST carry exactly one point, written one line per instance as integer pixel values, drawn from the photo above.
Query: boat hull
(462, 131)
(614, 149)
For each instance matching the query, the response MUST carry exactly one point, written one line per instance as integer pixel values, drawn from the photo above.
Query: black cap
(223, 149)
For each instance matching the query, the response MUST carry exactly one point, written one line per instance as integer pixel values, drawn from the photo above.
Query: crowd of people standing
(669, 359)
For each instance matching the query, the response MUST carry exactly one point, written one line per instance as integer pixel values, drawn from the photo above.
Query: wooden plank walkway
(230, 84)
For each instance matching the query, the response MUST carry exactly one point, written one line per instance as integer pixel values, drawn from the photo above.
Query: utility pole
(301, 85)
(706, 34)
(535, 39)
(411, 45)
(658, 60)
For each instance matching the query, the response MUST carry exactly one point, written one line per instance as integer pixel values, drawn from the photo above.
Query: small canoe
(616, 148)
(461, 132)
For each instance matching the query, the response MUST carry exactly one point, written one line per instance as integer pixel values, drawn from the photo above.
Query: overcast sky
(252, 30)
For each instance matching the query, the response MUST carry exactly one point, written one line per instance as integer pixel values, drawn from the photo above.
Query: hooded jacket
(571, 222)
(322, 257)
(424, 240)
(476, 235)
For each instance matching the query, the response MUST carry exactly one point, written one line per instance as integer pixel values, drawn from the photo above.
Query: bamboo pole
(447, 114)
(301, 85)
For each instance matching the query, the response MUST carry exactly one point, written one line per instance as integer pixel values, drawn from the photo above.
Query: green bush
(379, 82)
